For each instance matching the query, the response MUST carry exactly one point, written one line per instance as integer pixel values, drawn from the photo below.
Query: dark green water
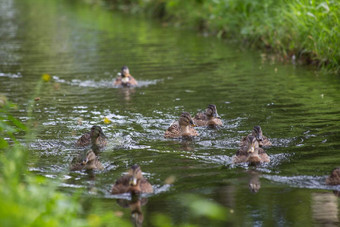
(83, 48)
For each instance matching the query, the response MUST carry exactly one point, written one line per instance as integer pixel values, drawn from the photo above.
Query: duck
(181, 128)
(257, 133)
(86, 161)
(95, 137)
(133, 182)
(125, 79)
(208, 118)
(334, 178)
(251, 153)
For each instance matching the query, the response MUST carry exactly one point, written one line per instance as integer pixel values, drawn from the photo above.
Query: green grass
(307, 29)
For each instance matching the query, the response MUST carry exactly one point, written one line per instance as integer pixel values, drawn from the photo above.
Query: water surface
(83, 47)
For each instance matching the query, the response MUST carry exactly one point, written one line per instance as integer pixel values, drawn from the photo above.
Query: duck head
(211, 111)
(96, 131)
(253, 157)
(135, 174)
(252, 144)
(257, 133)
(88, 157)
(125, 71)
(186, 120)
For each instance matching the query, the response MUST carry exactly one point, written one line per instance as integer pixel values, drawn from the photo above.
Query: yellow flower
(46, 77)
(107, 120)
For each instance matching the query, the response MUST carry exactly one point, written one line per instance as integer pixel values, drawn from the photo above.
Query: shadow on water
(83, 47)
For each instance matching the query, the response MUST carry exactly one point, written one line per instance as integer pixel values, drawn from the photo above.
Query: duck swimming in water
(125, 79)
(181, 128)
(133, 182)
(251, 153)
(257, 133)
(86, 161)
(95, 137)
(208, 118)
(334, 178)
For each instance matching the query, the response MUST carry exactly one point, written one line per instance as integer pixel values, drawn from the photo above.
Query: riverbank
(304, 32)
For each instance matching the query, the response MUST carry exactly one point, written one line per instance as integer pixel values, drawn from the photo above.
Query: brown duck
(133, 182)
(95, 137)
(125, 79)
(257, 133)
(86, 161)
(181, 128)
(334, 178)
(251, 153)
(208, 118)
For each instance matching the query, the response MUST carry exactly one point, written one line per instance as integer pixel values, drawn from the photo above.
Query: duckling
(86, 160)
(257, 132)
(125, 79)
(334, 178)
(133, 182)
(251, 153)
(209, 117)
(181, 128)
(95, 137)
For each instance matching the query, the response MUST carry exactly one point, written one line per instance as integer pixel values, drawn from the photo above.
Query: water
(83, 47)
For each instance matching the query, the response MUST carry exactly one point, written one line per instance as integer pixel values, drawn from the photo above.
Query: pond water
(83, 47)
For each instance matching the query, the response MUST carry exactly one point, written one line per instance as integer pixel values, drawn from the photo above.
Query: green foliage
(8, 124)
(308, 29)
(316, 26)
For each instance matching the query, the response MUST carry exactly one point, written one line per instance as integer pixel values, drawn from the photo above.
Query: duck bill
(251, 150)
(259, 138)
(102, 134)
(133, 181)
(216, 115)
(85, 161)
(192, 123)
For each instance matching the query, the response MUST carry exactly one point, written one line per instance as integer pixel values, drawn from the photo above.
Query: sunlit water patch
(102, 83)
(10, 75)
(312, 182)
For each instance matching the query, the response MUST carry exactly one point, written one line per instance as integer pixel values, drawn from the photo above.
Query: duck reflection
(183, 144)
(187, 145)
(127, 93)
(254, 181)
(325, 209)
(135, 205)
